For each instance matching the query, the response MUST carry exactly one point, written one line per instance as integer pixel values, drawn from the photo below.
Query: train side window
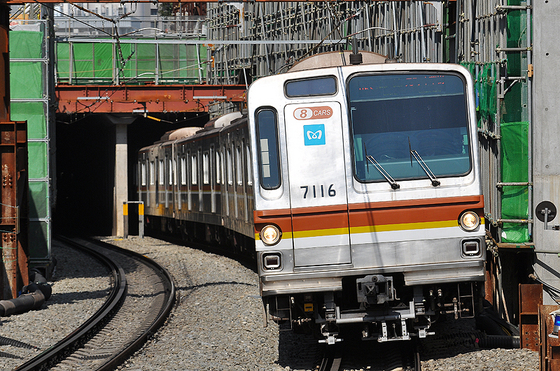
(249, 162)
(183, 171)
(267, 147)
(205, 168)
(194, 170)
(143, 174)
(218, 168)
(172, 173)
(229, 167)
(239, 165)
(152, 173)
(161, 175)
(212, 165)
(324, 85)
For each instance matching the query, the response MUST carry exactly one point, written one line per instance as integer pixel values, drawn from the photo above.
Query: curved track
(141, 298)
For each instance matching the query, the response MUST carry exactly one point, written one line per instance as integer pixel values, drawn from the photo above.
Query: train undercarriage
(378, 306)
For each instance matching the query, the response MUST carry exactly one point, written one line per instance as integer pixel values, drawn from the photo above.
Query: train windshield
(398, 116)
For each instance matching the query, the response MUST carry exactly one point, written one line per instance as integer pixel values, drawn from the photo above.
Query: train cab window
(152, 173)
(324, 85)
(267, 147)
(399, 121)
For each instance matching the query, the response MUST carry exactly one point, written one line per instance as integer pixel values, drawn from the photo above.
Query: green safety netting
(515, 169)
(514, 146)
(135, 63)
(27, 87)
(26, 80)
(34, 114)
(26, 44)
(485, 90)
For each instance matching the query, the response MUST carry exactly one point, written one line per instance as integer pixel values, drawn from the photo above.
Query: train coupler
(330, 332)
(375, 289)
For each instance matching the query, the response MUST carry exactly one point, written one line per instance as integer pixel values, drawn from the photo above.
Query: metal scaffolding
(405, 31)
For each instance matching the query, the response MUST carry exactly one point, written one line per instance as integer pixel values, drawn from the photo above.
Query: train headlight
(270, 235)
(469, 221)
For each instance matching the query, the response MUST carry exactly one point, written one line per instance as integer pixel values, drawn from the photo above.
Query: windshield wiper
(383, 172)
(424, 166)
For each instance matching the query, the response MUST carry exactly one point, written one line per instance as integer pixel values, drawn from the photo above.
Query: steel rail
(332, 359)
(117, 294)
(158, 321)
(52, 355)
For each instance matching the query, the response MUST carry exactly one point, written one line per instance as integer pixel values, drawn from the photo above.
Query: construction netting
(514, 147)
(515, 169)
(29, 103)
(130, 61)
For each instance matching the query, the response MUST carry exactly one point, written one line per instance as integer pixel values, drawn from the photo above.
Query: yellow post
(125, 219)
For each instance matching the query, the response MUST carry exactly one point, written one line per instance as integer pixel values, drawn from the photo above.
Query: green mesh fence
(514, 145)
(26, 44)
(485, 90)
(27, 87)
(102, 63)
(515, 169)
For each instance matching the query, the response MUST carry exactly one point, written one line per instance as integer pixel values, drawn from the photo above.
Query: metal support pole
(125, 219)
(140, 217)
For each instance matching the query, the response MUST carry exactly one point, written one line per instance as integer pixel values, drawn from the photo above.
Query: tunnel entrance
(85, 167)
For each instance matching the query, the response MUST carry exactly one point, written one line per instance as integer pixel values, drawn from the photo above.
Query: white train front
(365, 193)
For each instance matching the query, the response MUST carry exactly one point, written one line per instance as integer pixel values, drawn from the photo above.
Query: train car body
(357, 187)
(368, 202)
(198, 182)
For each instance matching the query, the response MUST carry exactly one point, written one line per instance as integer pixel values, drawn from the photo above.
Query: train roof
(188, 132)
(335, 59)
(180, 133)
(223, 120)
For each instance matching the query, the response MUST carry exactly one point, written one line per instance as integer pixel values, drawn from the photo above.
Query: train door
(317, 184)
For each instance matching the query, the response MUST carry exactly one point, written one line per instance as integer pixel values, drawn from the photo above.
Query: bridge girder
(74, 99)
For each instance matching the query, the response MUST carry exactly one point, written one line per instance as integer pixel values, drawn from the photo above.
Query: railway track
(351, 355)
(141, 298)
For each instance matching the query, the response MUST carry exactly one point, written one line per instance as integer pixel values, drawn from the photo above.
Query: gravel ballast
(217, 322)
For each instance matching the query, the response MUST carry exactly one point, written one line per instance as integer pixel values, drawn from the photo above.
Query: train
(355, 184)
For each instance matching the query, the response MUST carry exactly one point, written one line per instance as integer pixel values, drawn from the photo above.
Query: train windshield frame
(393, 115)
(268, 148)
(311, 87)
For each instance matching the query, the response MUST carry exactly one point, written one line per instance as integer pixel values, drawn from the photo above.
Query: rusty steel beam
(14, 181)
(144, 98)
(13, 206)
